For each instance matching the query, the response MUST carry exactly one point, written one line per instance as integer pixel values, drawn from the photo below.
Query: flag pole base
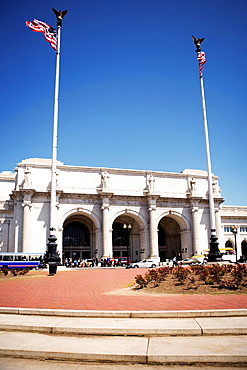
(214, 253)
(51, 256)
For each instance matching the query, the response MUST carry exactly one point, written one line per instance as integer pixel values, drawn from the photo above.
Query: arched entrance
(244, 248)
(78, 237)
(126, 238)
(169, 238)
(229, 244)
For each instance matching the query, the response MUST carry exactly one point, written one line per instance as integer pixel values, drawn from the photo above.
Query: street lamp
(234, 230)
(128, 228)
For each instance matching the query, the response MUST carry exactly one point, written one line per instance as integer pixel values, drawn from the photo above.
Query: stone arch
(173, 232)
(79, 210)
(132, 213)
(182, 221)
(79, 225)
(129, 243)
(244, 248)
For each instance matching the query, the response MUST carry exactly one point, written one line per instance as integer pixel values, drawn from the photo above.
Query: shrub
(5, 270)
(141, 281)
(216, 272)
(14, 271)
(163, 272)
(181, 273)
(239, 273)
(17, 272)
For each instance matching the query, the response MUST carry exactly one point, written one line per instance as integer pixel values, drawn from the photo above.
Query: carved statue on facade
(215, 186)
(193, 185)
(104, 179)
(151, 181)
(27, 177)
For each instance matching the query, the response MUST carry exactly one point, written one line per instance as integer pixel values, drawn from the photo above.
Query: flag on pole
(50, 33)
(202, 60)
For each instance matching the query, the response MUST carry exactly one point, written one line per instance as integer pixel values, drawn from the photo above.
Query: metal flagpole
(214, 252)
(52, 256)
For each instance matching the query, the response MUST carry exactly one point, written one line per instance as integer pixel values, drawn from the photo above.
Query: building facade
(107, 212)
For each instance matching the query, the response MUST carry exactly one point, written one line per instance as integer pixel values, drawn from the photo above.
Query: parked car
(148, 263)
(189, 261)
(201, 258)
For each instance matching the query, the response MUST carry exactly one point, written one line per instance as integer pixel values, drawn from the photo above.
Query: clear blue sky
(129, 86)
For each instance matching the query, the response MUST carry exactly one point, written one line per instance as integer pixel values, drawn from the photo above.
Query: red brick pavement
(88, 289)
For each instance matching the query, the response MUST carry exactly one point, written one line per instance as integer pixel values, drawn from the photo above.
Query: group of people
(104, 262)
(68, 262)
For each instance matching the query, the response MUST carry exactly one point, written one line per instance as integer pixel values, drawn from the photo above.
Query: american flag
(50, 33)
(202, 60)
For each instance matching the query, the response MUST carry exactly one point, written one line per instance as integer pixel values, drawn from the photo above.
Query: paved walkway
(99, 289)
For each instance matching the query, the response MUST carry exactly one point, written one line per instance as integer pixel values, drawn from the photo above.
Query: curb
(124, 314)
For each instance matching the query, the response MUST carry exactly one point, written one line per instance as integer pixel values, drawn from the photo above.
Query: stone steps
(87, 336)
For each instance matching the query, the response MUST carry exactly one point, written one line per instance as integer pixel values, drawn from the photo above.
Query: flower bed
(200, 279)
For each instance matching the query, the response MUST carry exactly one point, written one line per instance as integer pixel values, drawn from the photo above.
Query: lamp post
(234, 230)
(128, 228)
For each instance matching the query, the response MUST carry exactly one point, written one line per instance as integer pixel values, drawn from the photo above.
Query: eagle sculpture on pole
(59, 14)
(197, 42)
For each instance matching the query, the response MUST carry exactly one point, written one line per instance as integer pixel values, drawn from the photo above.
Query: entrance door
(76, 241)
(169, 238)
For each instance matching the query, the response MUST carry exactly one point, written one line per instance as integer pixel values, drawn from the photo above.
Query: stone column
(98, 243)
(153, 230)
(186, 243)
(107, 250)
(26, 232)
(144, 245)
(195, 230)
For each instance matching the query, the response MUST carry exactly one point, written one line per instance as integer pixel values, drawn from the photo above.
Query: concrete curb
(124, 314)
(142, 327)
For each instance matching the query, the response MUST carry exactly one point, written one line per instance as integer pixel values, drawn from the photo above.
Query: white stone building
(167, 213)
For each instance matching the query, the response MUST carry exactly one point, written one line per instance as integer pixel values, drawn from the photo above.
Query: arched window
(228, 244)
(119, 234)
(76, 234)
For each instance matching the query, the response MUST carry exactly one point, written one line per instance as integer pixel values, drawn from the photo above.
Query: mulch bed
(203, 280)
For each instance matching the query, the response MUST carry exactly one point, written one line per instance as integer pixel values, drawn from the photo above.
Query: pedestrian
(174, 260)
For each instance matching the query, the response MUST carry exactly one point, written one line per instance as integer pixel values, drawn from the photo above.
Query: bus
(21, 260)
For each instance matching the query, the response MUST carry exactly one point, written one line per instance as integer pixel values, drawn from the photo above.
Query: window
(76, 234)
(120, 235)
(243, 229)
(7, 258)
(227, 229)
